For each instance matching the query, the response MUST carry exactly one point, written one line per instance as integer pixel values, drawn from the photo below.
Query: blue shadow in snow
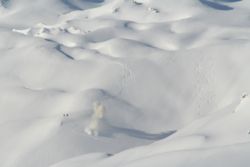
(143, 135)
(229, 1)
(58, 47)
(74, 6)
(5, 3)
(95, 1)
(71, 5)
(217, 5)
(110, 130)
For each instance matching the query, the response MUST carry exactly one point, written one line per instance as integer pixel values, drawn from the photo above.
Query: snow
(128, 83)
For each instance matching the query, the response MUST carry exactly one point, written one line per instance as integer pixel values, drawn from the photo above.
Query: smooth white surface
(170, 75)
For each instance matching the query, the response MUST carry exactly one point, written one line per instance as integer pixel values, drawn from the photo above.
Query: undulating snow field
(124, 83)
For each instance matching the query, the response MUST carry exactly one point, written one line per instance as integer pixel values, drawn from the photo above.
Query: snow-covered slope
(124, 83)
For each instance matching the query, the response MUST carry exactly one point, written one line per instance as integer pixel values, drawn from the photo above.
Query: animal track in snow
(126, 77)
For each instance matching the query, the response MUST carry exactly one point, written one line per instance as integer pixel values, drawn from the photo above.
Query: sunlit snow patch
(22, 31)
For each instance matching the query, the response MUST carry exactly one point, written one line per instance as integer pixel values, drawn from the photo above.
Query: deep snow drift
(135, 83)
